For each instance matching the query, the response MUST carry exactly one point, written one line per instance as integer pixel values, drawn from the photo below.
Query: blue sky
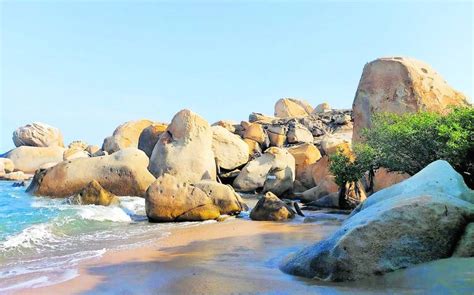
(86, 67)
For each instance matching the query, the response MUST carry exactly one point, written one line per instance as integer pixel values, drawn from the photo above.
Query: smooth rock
(92, 149)
(125, 136)
(384, 178)
(331, 143)
(28, 158)
(223, 196)
(290, 107)
(299, 134)
(185, 149)
(322, 108)
(167, 199)
(123, 173)
(227, 124)
(271, 208)
(274, 171)
(75, 153)
(38, 134)
(255, 132)
(254, 148)
(149, 137)
(277, 135)
(94, 194)
(229, 149)
(400, 85)
(305, 156)
(8, 165)
(324, 188)
(18, 175)
(418, 220)
(78, 145)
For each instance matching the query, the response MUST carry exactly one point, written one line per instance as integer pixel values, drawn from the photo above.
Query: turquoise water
(42, 240)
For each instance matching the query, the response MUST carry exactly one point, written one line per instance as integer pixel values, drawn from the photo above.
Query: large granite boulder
(384, 178)
(418, 220)
(168, 199)
(229, 149)
(38, 134)
(273, 171)
(95, 194)
(271, 208)
(290, 107)
(123, 173)
(149, 137)
(255, 131)
(28, 158)
(223, 196)
(400, 85)
(125, 136)
(185, 149)
(305, 156)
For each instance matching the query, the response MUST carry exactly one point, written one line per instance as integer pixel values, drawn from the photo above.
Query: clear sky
(87, 67)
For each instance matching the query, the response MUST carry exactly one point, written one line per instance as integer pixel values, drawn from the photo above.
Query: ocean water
(42, 240)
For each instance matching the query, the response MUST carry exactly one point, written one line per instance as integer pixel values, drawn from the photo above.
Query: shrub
(411, 141)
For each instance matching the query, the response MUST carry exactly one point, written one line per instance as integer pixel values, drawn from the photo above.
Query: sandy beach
(238, 256)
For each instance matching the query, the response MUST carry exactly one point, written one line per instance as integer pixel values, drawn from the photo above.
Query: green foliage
(411, 141)
(347, 168)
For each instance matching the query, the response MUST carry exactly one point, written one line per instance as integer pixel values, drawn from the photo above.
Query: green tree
(350, 168)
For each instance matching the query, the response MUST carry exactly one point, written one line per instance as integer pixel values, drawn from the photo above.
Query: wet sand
(239, 256)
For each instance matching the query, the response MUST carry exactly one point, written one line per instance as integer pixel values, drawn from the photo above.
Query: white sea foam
(101, 213)
(33, 236)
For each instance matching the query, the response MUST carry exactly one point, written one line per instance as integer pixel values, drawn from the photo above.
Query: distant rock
(17, 176)
(322, 189)
(277, 135)
(7, 164)
(290, 107)
(271, 208)
(298, 133)
(305, 156)
(149, 137)
(400, 85)
(260, 118)
(38, 134)
(125, 136)
(229, 149)
(167, 199)
(273, 171)
(95, 194)
(75, 153)
(185, 149)
(418, 220)
(123, 173)
(322, 108)
(227, 124)
(255, 132)
(28, 158)
(92, 149)
(78, 145)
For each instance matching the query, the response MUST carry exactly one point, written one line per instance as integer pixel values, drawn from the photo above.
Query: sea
(42, 240)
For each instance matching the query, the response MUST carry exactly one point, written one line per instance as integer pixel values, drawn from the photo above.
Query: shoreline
(239, 256)
(165, 248)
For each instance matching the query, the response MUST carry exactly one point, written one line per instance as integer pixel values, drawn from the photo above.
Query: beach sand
(240, 256)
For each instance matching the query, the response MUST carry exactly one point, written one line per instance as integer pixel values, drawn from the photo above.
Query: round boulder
(271, 208)
(38, 134)
(185, 149)
(229, 149)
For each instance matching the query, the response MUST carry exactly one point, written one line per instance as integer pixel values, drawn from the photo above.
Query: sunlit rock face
(415, 221)
(400, 85)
